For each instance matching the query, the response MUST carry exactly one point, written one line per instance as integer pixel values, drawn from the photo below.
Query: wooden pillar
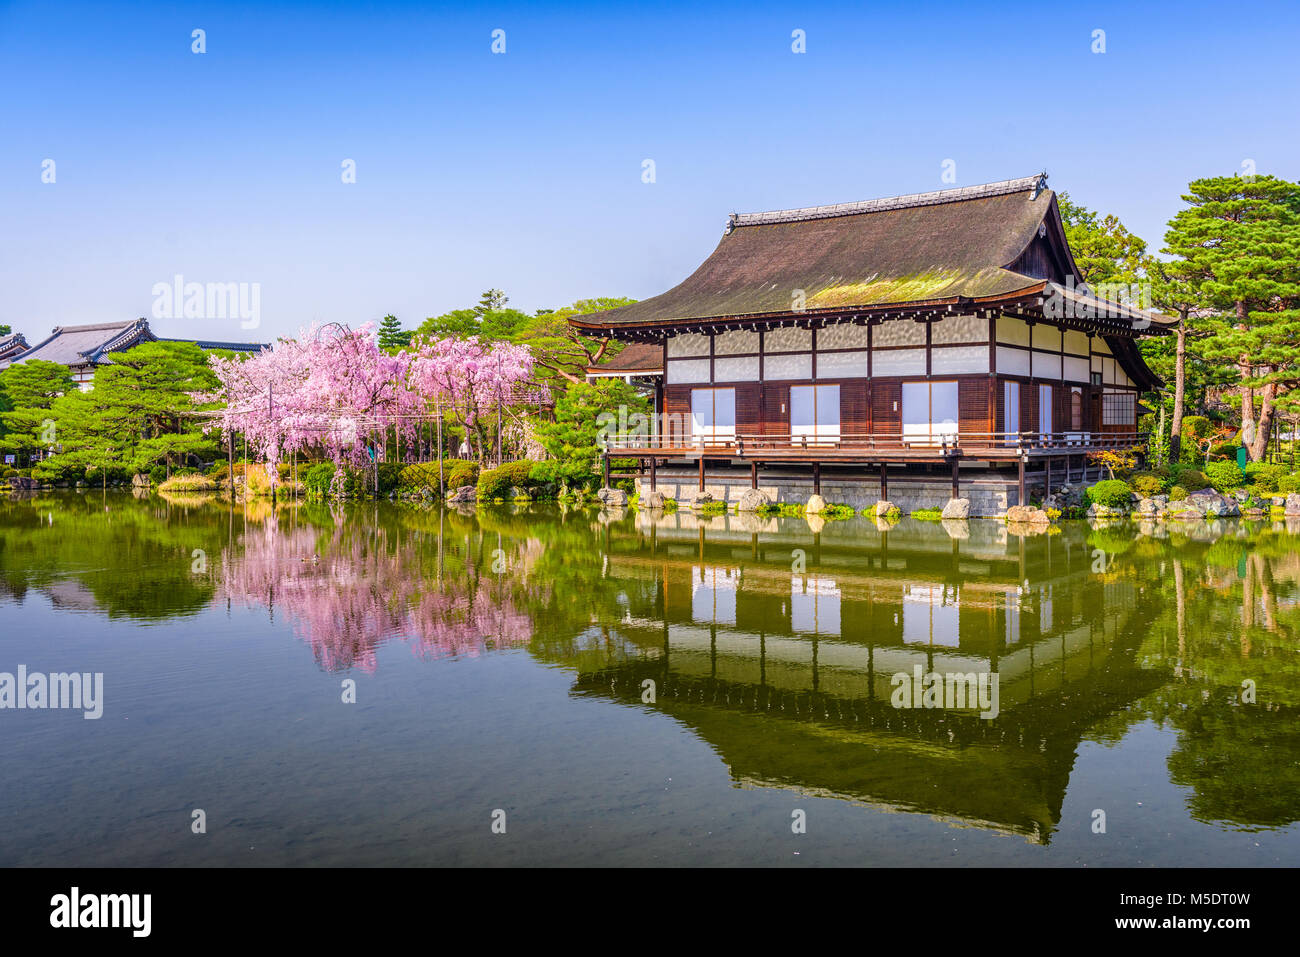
(701, 473)
(1021, 466)
(604, 463)
(753, 475)
(884, 481)
(954, 479)
(1047, 478)
(654, 463)
(817, 478)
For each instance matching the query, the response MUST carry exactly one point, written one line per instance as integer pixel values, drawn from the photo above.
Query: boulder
(1241, 495)
(1027, 515)
(701, 499)
(1065, 496)
(752, 499)
(514, 494)
(614, 497)
(1292, 504)
(462, 495)
(655, 499)
(1214, 505)
(816, 505)
(956, 508)
(1182, 511)
(1147, 507)
(140, 479)
(1252, 513)
(24, 483)
(883, 508)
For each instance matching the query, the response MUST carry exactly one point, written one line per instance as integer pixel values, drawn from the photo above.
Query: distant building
(83, 348)
(12, 345)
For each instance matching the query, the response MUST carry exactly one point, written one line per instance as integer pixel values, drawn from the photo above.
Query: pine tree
(1238, 256)
(139, 413)
(29, 389)
(391, 336)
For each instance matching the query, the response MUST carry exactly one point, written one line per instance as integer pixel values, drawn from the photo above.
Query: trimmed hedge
(1224, 476)
(456, 472)
(494, 483)
(1111, 493)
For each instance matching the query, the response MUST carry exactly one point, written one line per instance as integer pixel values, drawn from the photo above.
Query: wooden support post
(604, 462)
(654, 463)
(701, 472)
(817, 478)
(884, 481)
(954, 478)
(1047, 478)
(1021, 481)
(753, 475)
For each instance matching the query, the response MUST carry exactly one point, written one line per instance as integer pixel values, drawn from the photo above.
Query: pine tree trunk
(1263, 431)
(1180, 390)
(1244, 370)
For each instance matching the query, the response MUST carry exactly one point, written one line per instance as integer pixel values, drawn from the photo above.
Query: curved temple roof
(927, 248)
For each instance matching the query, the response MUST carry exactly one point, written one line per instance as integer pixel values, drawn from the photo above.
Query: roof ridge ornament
(1039, 186)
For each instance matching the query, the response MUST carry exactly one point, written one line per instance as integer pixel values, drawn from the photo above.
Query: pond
(380, 685)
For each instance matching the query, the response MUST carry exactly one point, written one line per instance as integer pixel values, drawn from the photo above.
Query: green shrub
(1177, 494)
(1263, 476)
(1111, 493)
(1224, 476)
(929, 514)
(1288, 484)
(390, 476)
(157, 475)
(318, 480)
(1148, 484)
(1224, 450)
(1191, 479)
(494, 483)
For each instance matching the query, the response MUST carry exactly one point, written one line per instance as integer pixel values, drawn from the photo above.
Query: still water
(621, 688)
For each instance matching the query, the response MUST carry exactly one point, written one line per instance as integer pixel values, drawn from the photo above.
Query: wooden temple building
(945, 333)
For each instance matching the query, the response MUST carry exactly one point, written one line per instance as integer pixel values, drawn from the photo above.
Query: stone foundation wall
(989, 494)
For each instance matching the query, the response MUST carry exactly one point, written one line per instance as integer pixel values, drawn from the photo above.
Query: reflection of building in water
(789, 674)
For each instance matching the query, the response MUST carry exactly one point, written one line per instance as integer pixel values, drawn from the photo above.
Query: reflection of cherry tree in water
(348, 591)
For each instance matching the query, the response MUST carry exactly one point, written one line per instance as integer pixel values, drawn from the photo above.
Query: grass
(188, 483)
(929, 514)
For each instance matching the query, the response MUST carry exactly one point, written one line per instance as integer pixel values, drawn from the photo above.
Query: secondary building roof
(11, 345)
(88, 345)
(638, 358)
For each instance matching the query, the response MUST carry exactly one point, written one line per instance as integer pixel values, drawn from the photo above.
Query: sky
(525, 170)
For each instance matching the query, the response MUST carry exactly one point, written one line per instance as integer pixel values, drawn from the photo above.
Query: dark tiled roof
(89, 344)
(922, 248)
(646, 358)
(215, 344)
(81, 345)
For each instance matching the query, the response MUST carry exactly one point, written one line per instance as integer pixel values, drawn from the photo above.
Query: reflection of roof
(639, 358)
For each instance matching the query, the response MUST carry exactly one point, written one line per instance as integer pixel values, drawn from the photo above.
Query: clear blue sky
(523, 171)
